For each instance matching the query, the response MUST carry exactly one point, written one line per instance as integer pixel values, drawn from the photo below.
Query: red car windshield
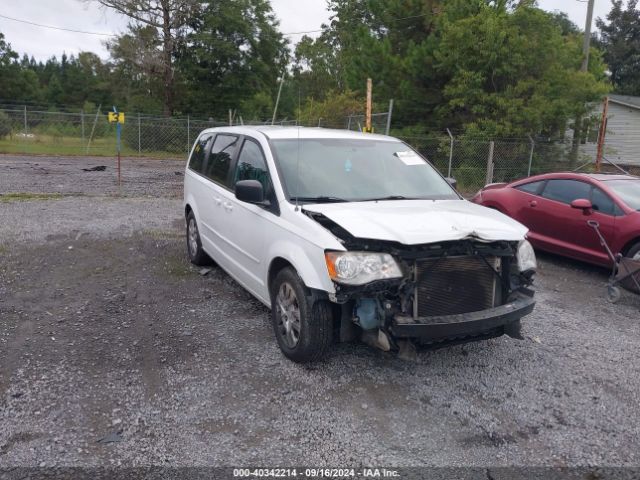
(627, 190)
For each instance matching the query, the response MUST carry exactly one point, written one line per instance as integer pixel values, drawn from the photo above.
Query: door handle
(218, 201)
(228, 206)
(533, 203)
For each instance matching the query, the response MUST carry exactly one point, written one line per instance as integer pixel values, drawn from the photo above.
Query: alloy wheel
(288, 315)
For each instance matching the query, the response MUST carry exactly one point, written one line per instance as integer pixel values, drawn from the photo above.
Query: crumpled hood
(413, 222)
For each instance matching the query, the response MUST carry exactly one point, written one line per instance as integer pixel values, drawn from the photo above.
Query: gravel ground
(106, 330)
(65, 175)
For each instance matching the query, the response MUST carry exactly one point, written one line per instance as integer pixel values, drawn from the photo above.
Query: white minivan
(345, 235)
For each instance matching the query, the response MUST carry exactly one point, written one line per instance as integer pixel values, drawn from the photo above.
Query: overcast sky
(42, 43)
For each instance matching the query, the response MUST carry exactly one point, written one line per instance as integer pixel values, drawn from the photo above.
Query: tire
(303, 327)
(194, 245)
(613, 294)
(634, 252)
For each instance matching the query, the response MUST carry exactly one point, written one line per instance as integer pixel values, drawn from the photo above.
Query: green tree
(233, 52)
(620, 40)
(169, 18)
(511, 72)
(315, 67)
(499, 67)
(16, 83)
(137, 69)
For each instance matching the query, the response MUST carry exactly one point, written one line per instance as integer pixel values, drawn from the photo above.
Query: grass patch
(25, 197)
(161, 234)
(43, 144)
(178, 267)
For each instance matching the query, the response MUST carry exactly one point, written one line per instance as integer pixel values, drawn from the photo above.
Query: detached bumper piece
(444, 327)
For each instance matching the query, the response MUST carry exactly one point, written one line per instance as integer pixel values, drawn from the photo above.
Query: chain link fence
(473, 162)
(63, 133)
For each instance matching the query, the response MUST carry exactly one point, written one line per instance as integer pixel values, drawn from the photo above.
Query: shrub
(5, 125)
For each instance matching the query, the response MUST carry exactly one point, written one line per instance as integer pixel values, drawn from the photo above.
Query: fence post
(389, 117)
(139, 138)
(530, 156)
(25, 140)
(82, 125)
(93, 129)
(489, 178)
(450, 153)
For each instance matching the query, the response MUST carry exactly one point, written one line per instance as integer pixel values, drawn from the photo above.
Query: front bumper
(445, 327)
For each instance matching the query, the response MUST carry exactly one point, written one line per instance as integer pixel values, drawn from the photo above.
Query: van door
(195, 184)
(246, 225)
(216, 171)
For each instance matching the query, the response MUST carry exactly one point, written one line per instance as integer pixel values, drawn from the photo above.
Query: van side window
(199, 154)
(252, 165)
(219, 162)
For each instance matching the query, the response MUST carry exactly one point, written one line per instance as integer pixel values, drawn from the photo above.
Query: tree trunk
(167, 52)
(575, 143)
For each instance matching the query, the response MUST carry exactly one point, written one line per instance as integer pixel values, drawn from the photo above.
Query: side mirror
(582, 204)
(250, 191)
(453, 182)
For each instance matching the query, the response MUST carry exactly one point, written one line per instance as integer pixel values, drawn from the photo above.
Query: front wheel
(303, 327)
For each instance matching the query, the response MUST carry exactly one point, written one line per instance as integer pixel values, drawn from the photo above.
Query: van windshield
(334, 170)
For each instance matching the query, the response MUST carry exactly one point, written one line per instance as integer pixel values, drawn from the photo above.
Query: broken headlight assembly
(526, 257)
(358, 268)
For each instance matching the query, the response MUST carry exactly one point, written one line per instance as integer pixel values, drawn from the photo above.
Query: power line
(103, 34)
(59, 28)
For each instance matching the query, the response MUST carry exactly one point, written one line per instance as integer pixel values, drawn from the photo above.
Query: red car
(556, 206)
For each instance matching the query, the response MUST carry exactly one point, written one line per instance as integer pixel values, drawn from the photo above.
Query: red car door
(587, 242)
(555, 220)
(522, 205)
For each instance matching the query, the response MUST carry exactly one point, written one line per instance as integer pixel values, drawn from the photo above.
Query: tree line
(481, 67)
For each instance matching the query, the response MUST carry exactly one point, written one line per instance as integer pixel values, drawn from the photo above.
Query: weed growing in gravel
(23, 197)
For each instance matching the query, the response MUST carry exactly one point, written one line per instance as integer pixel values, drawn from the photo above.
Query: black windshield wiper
(319, 199)
(390, 197)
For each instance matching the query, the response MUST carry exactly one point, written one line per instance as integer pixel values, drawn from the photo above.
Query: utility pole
(275, 110)
(587, 37)
(586, 46)
(367, 121)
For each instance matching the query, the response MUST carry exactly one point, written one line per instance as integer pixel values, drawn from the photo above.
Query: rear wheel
(634, 252)
(303, 327)
(194, 245)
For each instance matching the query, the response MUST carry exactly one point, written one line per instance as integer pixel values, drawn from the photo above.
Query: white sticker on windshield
(410, 158)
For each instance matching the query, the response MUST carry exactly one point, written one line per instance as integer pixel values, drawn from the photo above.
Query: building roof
(626, 100)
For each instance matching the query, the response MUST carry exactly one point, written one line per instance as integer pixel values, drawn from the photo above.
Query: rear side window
(252, 165)
(219, 162)
(533, 187)
(199, 154)
(566, 191)
(602, 202)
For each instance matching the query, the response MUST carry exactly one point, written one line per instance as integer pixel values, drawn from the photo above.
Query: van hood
(414, 222)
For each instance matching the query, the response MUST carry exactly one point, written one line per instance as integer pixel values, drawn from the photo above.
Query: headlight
(526, 257)
(358, 268)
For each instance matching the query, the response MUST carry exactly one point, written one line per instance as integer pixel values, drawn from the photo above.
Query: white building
(622, 140)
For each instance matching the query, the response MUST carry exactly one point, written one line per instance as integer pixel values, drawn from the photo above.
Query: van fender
(308, 261)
